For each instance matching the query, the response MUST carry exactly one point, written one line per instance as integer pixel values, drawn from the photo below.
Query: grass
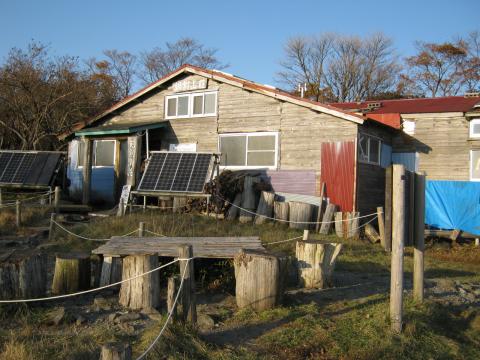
(350, 323)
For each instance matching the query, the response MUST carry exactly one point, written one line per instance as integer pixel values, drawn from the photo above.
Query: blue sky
(249, 34)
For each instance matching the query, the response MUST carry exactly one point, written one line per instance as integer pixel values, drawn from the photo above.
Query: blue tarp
(453, 205)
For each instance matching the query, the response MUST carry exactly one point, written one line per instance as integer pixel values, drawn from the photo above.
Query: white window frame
(370, 137)
(251, 134)
(471, 165)
(94, 153)
(472, 134)
(191, 96)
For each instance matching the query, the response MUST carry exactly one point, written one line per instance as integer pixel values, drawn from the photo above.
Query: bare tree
(340, 68)
(158, 62)
(41, 97)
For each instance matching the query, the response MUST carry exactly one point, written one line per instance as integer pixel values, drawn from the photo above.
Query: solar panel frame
(179, 172)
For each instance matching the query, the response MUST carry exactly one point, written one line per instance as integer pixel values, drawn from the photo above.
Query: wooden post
(141, 229)
(189, 306)
(381, 225)
(116, 351)
(398, 240)
(372, 234)
(121, 207)
(327, 218)
(316, 262)
(234, 210)
(265, 207)
(172, 289)
(477, 242)
(72, 273)
(259, 280)
(51, 230)
(18, 213)
(248, 200)
(23, 275)
(142, 292)
(305, 235)
(111, 270)
(300, 215)
(388, 208)
(280, 211)
(179, 203)
(56, 201)
(1, 198)
(339, 224)
(320, 209)
(87, 170)
(419, 238)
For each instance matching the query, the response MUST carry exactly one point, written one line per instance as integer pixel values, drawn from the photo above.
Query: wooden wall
(442, 141)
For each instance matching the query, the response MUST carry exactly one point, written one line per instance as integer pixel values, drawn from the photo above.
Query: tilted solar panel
(176, 172)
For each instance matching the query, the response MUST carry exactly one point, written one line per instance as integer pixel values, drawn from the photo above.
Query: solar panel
(176, 172)
(28, 168)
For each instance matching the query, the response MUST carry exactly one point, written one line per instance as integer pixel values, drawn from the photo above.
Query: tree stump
(248, 200)
(234, 210)
(265, 207)
(316, 262)
(72, 273)
(142, 292)
(300, 215)
(259, 280)
(116, 351)
(372, 234)
(111, 270)
(280, 211)
(23, 275)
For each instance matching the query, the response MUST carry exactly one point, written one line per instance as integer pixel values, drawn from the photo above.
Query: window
(191, 105)
(369, 149)
(252, 150)
(104, 153)
(475, 128)
(475, 165)
(80, 153)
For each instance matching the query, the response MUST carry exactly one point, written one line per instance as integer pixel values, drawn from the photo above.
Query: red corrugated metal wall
(338, 173)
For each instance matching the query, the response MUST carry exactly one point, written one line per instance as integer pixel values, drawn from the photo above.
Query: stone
(113, 317)
(128, 317)
(100, 303)
(59, 316)
(205, 322)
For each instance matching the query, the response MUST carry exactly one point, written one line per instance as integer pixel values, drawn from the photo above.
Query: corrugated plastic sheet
(453, 205)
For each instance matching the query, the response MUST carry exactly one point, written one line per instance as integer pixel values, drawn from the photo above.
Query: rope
(12, 204)
(87, 238)
(154, 233)
(294, 222)
(168, 317)
(92, 290)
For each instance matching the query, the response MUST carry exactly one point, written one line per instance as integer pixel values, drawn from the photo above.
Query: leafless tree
(158, 62)
(340, 68)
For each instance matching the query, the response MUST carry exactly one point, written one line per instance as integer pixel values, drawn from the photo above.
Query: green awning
(118, 129)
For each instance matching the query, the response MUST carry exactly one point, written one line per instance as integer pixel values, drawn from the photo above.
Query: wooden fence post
(18, 213)
(387, 216)
(141, 229)
(398, 240)
(172, 289)
(419, 238)
(320, 209)
(381, 225)
(305, 235)
(56, 201)
(189, 306)
(327, 219)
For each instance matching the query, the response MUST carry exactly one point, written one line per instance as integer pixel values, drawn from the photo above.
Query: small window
(80, 153)
(254, 150)
(104, 153)
(191, 105)
(475, 165)
(475, 128)
(369, 149)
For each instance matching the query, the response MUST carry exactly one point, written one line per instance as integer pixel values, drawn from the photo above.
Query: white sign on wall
(185, 147)
(189, 84)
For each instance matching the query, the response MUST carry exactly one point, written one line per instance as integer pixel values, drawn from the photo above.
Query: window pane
(476, 129)
(198, 105)
(210, 103)
(374, 147)
(363, 148)
(233, 150)
(261, 158)
(172, 107)
(80, 152)
(104, 153)
(266, 142)
(475, 164)
(182, 106)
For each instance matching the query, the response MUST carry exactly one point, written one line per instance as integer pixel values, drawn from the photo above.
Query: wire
(154, 233)
(294, 222)
(92, 290)
(87, 238)
(169, 315)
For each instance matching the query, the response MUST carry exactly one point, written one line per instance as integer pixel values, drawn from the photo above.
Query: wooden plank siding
(442, 141)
